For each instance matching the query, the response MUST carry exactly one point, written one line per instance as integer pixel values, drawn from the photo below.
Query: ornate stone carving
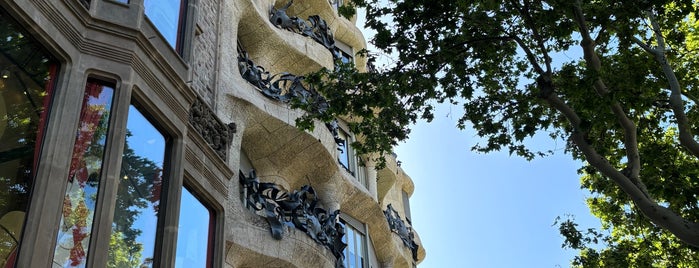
(404, 232)
(299, 209)
(217, 134)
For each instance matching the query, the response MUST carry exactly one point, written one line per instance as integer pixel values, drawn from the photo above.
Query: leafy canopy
(627, 106)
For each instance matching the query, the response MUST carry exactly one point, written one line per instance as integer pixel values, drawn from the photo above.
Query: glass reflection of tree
(84, 176)
(24, 97)
(139, 189)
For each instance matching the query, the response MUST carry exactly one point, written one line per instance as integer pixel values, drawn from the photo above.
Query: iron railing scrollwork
(316, 28)
(286, 87)
(299, 209)
(399, 227)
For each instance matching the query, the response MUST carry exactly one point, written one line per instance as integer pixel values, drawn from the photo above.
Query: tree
(627, 108)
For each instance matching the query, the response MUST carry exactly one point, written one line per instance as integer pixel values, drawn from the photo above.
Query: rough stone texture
(204, 59)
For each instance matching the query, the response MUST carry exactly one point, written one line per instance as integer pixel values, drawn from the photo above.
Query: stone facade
(218, 126)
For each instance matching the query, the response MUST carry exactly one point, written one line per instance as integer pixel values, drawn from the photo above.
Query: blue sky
(488, 210)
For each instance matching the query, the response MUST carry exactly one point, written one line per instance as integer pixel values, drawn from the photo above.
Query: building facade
(159, 133)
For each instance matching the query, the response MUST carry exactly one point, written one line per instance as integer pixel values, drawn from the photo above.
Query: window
(347, 157)
(84, 176)
(355, 252)
(344, 56)
(344, 157)
(336, 3)
(27, 79)
(344, 51)
(406, 206)
(168, 16)
(137, 210)
(195, 233)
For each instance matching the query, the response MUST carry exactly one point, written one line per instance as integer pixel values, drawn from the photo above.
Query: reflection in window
(27, 75)
(195, 233)
(84, 176)
(355, 252)
(168, 17)
(132, 242)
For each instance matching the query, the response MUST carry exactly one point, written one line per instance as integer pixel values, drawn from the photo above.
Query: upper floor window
(406, 206)
(356, 250)
(344, 51)
(168, 16)
(348, 158)
(27, 79)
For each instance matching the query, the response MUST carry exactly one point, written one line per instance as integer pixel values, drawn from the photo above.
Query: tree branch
(686, 136)
(628, 126)
(634, 188)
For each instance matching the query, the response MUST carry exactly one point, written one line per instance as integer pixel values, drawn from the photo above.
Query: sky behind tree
(488, 210)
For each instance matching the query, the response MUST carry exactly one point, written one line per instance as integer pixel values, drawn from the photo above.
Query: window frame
(215, 224)
(165, 242)
(107, 166)
(183, 30)
(165, 175)
(406, 205)
(361, 228)
(344, 50)
(336, 4)
(355, 164)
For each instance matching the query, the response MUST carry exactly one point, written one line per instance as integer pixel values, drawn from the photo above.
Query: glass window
(84, 176)
(348, 159)
(336, 3)
(345, 57)
(406, 205)
(344, 52)
(355, 252)
(134, 229)
(344, 157)
(168, 17)
(195, 233)
(27, 75)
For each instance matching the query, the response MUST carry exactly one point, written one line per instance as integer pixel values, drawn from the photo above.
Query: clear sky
(488, 210)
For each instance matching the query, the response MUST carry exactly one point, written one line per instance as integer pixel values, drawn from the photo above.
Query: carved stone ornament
(299, 209)
(404, 232)
(217, 134)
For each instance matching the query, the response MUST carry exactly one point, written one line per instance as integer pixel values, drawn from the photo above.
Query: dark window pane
(26, 81)
(194, 237)
(84, 176)
(134, 229)
(344, 149)
(168, 17)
